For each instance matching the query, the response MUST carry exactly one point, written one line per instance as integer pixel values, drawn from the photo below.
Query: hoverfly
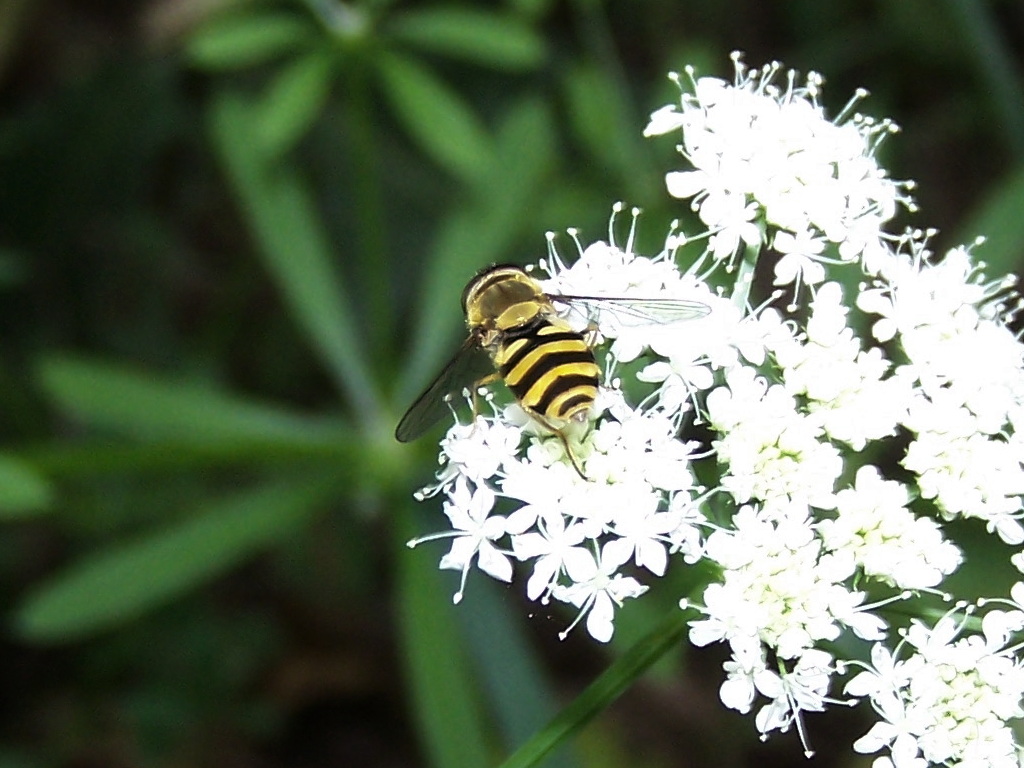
(517, 334)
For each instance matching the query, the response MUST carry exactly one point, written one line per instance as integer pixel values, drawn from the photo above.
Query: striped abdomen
(549, 368)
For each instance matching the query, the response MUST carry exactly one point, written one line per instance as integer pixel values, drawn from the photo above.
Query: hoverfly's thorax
(518, 314)
(502, 297)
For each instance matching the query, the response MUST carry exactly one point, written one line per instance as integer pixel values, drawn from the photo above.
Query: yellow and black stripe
(549, 368)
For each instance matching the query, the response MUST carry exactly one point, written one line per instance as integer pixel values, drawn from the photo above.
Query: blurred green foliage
(232, 240)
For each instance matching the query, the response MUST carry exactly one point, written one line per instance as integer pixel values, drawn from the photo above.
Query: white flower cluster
(968, 372)
(810, 529)
(637, 505)
(950, 701)
(764, 154)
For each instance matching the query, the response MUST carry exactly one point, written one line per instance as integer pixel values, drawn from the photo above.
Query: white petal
(866, 625)
(544, 572)
(880, 735)
(862, 684)
(684, 184)
(737, 693)
(615, 553)
(599, 620)
(462, 550)
(1017, 593)
(579, 564)
(492, 562)
(706, 632)
(1010, 530)
(664, 120)
(652, 556)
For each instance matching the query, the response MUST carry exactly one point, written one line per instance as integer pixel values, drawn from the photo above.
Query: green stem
(602, 692)
(745, 277)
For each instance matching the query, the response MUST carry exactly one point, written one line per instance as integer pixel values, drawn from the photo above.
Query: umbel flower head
(810, 533)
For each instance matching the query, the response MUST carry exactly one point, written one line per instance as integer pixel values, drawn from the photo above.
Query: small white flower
(895, 732)
(556, 550)
(473, 532)
(478, 450)
(800, 253)
(542, 489)
(597, 593)
(884, 538)
(732, 220)
(746, 666)
(642, 536)
(792, 693)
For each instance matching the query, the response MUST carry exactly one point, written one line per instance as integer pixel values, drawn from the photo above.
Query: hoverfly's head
(496, 290)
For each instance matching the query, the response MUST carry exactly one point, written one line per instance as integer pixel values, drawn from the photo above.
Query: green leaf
(347, 455)
(602, 121)
(531, 8)
(246, 40)
(139, 404)
(435, 116)
(293, 100)
(445, 698)
(455, 255)
(474, 236)
(507, 667)
(295, 250)
(124, 581)
(977, 31)
(492, 39)
(612, 683)
(998, 219)
(524, 160)
(23, 490)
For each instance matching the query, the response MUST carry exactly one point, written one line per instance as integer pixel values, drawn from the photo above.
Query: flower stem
(602, 692)
(745, 277)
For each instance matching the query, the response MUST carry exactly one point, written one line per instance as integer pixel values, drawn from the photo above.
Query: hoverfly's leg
(571, 455)
(565, 443)
(475, 392)
(591, 334)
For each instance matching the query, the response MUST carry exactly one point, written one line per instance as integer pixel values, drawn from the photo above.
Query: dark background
(232, 240)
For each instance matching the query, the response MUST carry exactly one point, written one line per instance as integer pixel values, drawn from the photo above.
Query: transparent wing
(653, 311)
(469, 365)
